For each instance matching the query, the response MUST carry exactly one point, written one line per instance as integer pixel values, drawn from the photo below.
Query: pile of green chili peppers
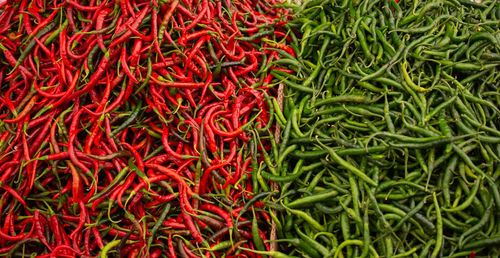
(390, 143)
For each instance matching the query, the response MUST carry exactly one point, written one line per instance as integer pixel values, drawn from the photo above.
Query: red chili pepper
(14, 194)
(17, 237)
(103, 66)
(39, 229)
(123, 62)
(61, 248)
(140, 17)
(101, 15)
(25, 111)
(226, 216)
(220, 132)
(178, 84)
(171, 173)
(195, 50)
(73, 131)
(182, 40)
(189, 221)
(46, 21)
(82, 7)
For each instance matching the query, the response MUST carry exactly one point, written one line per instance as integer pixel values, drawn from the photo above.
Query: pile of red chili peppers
(133, 128)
